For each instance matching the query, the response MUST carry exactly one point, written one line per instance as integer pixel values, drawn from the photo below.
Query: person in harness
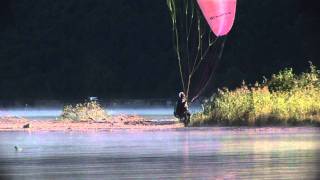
(182, 110)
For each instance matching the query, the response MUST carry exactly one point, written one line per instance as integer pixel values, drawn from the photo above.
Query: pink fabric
(219, 14)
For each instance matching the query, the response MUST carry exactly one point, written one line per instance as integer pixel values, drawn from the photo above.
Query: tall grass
(285, 99)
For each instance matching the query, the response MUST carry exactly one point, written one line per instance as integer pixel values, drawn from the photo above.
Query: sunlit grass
(285, 99)
(88, 111)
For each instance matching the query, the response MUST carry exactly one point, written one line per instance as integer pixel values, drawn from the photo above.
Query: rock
(18, 149)
(26, 126)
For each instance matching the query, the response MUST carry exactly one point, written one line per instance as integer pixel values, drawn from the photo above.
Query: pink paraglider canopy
(219, 14)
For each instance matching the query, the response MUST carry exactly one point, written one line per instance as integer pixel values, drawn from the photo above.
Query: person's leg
(186, 118)
(185, 122)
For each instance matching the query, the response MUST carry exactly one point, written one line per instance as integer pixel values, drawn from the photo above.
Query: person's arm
(185, 104)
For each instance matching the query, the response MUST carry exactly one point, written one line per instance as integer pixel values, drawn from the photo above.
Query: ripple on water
(205, 153)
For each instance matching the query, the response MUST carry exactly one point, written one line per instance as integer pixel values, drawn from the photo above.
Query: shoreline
(125, 122)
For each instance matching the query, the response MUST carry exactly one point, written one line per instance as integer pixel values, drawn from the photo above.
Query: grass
(285, 99)
(88, 111)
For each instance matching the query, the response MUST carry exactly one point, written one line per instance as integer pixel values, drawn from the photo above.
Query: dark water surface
(196, 153)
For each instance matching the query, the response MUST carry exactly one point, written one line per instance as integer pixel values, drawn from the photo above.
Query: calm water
(150, 112)
(197, 153)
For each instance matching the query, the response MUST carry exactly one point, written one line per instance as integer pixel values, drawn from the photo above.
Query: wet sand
(115, 122)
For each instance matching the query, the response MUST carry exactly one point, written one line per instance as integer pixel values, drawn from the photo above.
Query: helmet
(181, 94)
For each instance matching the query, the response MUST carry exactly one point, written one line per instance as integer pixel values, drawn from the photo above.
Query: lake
(153, 112)
(196, 153)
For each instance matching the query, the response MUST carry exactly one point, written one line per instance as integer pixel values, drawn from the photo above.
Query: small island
(87, 116)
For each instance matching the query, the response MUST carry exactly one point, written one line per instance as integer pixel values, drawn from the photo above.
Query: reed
(285, 99)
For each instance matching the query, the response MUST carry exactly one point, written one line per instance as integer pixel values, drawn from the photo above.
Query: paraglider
(220, 14)
(198, 26)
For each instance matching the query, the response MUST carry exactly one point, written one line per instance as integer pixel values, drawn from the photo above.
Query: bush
(285, 80)
(88, 111)
(285, 99)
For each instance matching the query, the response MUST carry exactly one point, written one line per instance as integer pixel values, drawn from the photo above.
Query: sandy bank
(117, 122)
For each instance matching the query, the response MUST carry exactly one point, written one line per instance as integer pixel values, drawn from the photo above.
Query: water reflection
(205, 153)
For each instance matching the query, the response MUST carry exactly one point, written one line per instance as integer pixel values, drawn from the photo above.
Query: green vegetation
(285, 99)
(88, 111)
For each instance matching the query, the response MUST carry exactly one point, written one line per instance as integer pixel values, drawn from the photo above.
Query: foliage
(283, 81)
(286, 80)
(88, 111)
(285, 99)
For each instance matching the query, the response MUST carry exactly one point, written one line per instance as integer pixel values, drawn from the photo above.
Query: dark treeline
(77, 48)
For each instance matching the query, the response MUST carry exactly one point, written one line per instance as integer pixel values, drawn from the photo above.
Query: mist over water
(204, 153)
(160, 109)
(197, 153)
